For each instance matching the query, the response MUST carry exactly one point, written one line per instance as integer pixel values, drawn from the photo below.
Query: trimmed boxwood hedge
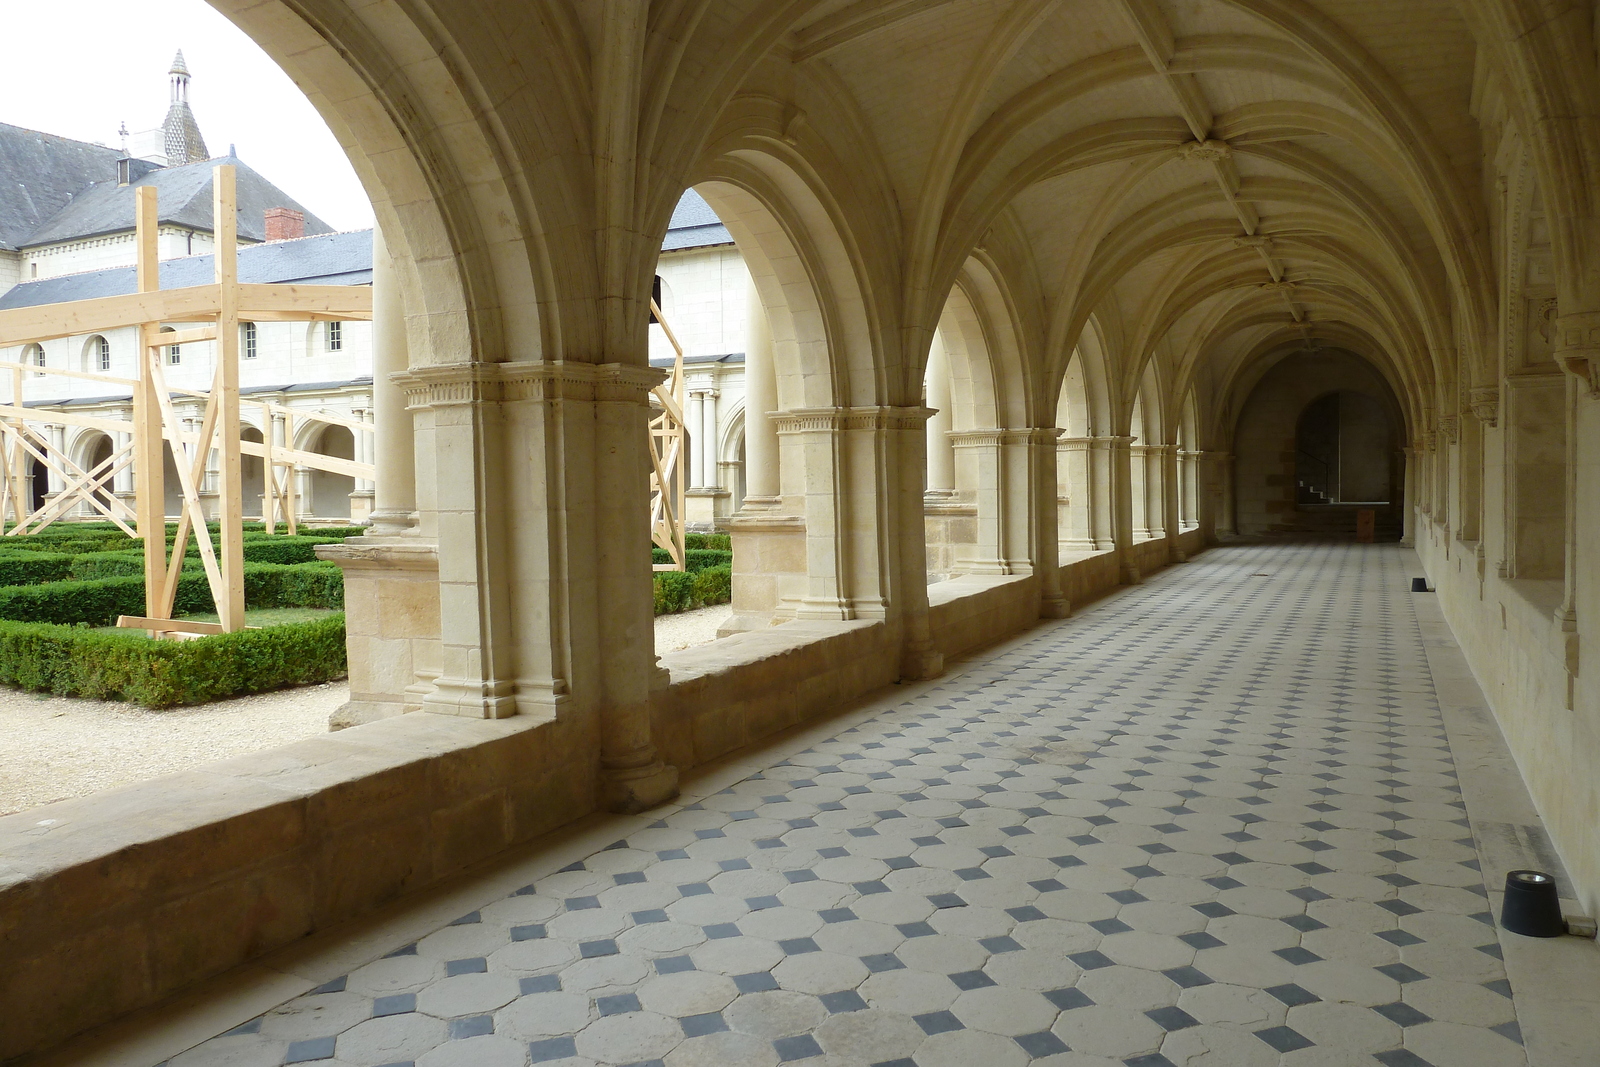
(100, 601)
(677, 591)
(695, 559)
(30, 568)
(75, 661)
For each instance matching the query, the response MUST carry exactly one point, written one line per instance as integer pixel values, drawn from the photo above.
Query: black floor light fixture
(1419, 585)
(1531, 906)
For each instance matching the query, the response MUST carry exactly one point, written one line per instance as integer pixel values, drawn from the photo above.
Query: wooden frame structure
(667, 469)
(222, 306)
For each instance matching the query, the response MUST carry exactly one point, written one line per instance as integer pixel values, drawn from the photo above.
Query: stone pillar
(941, 449)
(122, 481)
(1408, 518)
(362, 495)
(394, 495)
(983, 464)
(1044, 532)
(57, 454)
(696, 419)
(632, 775)
(1075, 493)
(305, 504)
(761, 486)
(1122, 508)
(1171, 516)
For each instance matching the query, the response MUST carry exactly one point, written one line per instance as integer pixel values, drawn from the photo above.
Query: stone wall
(114, 901)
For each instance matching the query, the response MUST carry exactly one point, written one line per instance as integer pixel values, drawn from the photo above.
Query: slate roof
(694, 225)
(328, 259)
(39, 175)
(184, 199)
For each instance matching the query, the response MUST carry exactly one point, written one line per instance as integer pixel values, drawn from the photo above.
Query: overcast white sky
(79, 68)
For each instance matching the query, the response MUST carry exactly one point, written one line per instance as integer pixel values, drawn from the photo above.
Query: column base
(920, 662)
(1057, 607)
(386, 522)
(471, 698)
(630, 790)
(1129, 575)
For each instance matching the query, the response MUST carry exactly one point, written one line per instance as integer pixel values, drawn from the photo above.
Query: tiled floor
(1214, 821)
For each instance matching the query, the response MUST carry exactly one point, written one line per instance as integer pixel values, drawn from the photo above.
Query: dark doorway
(1343, 451)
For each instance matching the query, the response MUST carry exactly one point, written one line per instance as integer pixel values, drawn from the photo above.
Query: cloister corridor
(1250, 812)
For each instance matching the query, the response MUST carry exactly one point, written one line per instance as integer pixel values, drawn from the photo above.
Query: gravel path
(53, 748)
(674, 633)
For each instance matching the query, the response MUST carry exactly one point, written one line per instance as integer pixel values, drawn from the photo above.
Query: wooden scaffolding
(667, 454)
(220, 308)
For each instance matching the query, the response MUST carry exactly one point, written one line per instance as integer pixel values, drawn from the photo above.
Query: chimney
(284, 224)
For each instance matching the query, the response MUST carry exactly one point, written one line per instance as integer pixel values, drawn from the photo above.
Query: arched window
(34, 355)
(335, 336)
(247, 344)
(174, 352)
(97, 354)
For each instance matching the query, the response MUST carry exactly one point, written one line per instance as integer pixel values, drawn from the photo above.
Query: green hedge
(98, 602)
(31, 568)
(73, 661)
(715, 542)
(714, 585)
(674, 592)
(677, 591)
(695, 559)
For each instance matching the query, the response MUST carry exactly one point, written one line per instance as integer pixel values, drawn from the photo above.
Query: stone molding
(412, 556)
(1485, 404)
(995, 437)
(448, 384)
(1577, 340)
(757, 522)
(815, 420)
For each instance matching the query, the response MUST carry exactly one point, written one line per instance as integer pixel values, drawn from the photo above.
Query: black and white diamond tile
(1212, 821)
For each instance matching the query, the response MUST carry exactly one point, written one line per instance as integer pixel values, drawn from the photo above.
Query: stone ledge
(114, 901)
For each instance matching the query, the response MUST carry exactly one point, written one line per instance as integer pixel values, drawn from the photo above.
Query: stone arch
(804, 281)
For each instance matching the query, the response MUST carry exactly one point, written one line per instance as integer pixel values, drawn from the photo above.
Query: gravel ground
(53, 748)
(674, 633)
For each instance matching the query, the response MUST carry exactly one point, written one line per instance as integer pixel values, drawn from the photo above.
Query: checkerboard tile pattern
(1214, 821)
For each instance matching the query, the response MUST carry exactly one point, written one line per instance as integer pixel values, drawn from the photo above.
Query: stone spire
(180, 133)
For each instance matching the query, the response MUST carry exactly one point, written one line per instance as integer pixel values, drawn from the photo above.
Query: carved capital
(1450, 428)
(1577, 343)
(1485, 403)
(814, 420)
(448, 384)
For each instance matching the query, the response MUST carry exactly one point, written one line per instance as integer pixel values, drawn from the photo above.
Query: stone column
(1075, 493)
(761, 486)
(1171, 516)
(1122, 508)
(394, 494)
(122, 481)
(983, 461)
(1044, 532)
(57, 453)
(361, 495)
(1408, 519)
(632, 775)
(696, 418)
(941, 449)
